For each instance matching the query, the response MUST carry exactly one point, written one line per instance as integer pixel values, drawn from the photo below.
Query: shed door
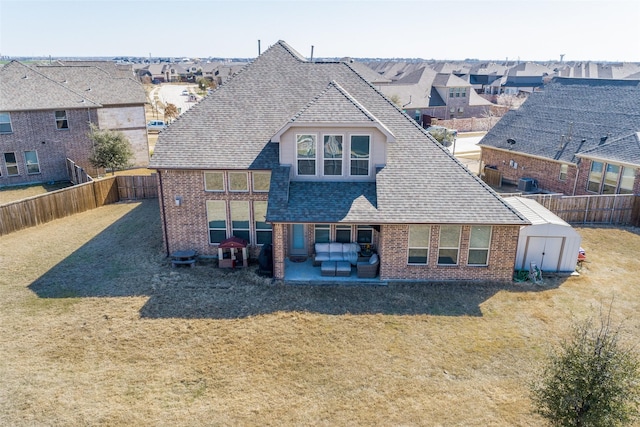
(545, 252)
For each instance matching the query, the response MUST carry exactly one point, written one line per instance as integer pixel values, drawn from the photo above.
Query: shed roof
(534, 211)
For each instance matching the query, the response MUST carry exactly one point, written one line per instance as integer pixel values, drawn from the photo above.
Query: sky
(526, 30)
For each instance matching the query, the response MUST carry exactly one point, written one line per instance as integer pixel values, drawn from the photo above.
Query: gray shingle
(421, 181)
(569, 116)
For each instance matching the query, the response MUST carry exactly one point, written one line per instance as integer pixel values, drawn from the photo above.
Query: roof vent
(603, 140)
(511, 142)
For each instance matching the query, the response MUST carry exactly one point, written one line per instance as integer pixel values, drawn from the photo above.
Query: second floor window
(333, 154)
(306, 154)
(61, 120)
(360, 153)
(5, 123)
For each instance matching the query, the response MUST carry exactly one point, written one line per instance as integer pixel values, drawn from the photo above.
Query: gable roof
(23, 88)
(336, 107)
(233, 127)
(569, 116)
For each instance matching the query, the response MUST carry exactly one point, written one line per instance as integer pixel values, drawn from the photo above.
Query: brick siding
(394, 252)
(186, 225)
(36, 131)
(546, 172)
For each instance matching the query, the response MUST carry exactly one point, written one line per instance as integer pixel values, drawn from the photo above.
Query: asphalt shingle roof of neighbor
(625, 148)
(232, 128)
(97, 84)
(23, 88)
(570, 116)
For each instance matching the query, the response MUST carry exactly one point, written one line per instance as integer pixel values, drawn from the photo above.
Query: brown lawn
(97, 329)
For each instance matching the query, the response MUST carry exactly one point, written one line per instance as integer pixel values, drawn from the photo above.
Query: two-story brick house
(292, 152)
(576, 137)
(426, 94)
(45, 113)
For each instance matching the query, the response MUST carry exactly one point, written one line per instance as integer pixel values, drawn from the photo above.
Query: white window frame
(419, 228)
(609, 185)
(449, 248)
(564, 170)
(261, 226)
(239, 212)
(364, 228)
(245, 188)
(62, 122)
(352, 159)
(597, 174)
(344, 227)
(479, 248)
(11, 165)
(28, 165)
(214, 190)
(5, 119)
(314, 159)
(324, 228)
(222, 204)
(253, 181)
(628, 175)
(334, 159)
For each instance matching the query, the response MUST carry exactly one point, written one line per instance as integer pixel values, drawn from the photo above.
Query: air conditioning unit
(527, 184)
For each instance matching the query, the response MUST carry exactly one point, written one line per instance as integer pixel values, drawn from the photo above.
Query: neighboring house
(576, 136)
(45, 113)
(525, 78)
(292, 153)
(426, 94)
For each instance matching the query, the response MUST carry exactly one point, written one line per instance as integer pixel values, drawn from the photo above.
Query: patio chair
(368, 269)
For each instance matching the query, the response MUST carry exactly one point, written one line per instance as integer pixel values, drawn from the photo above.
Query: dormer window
(457, 92)
(306, 154)
(332, 155)
(360, 154)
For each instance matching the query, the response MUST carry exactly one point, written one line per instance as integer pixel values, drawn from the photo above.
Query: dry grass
(12, 194)
(97, 329)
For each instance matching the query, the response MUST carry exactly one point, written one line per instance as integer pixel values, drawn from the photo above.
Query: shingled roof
(23, 89)
(64, 87)
(571, 116)
(234, 126)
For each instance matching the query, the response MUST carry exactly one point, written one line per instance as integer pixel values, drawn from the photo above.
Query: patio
(305, 273)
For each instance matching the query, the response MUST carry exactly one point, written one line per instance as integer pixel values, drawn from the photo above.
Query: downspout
(163, 210)
(575, 183)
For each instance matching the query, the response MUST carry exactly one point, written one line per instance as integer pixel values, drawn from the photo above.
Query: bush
(590, 381)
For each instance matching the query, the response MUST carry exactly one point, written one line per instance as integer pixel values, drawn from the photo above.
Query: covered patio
(303, 272)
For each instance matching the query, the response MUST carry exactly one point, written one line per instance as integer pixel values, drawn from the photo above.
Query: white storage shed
(549, 242)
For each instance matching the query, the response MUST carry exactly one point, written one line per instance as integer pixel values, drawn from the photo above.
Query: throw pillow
(373, 259)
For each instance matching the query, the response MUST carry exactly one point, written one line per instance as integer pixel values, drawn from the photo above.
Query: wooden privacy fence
(614, 209)
(77, 175)
(492, 177)
(72, 200)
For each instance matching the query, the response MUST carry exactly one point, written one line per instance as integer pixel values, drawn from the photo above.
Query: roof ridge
(33, 70)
